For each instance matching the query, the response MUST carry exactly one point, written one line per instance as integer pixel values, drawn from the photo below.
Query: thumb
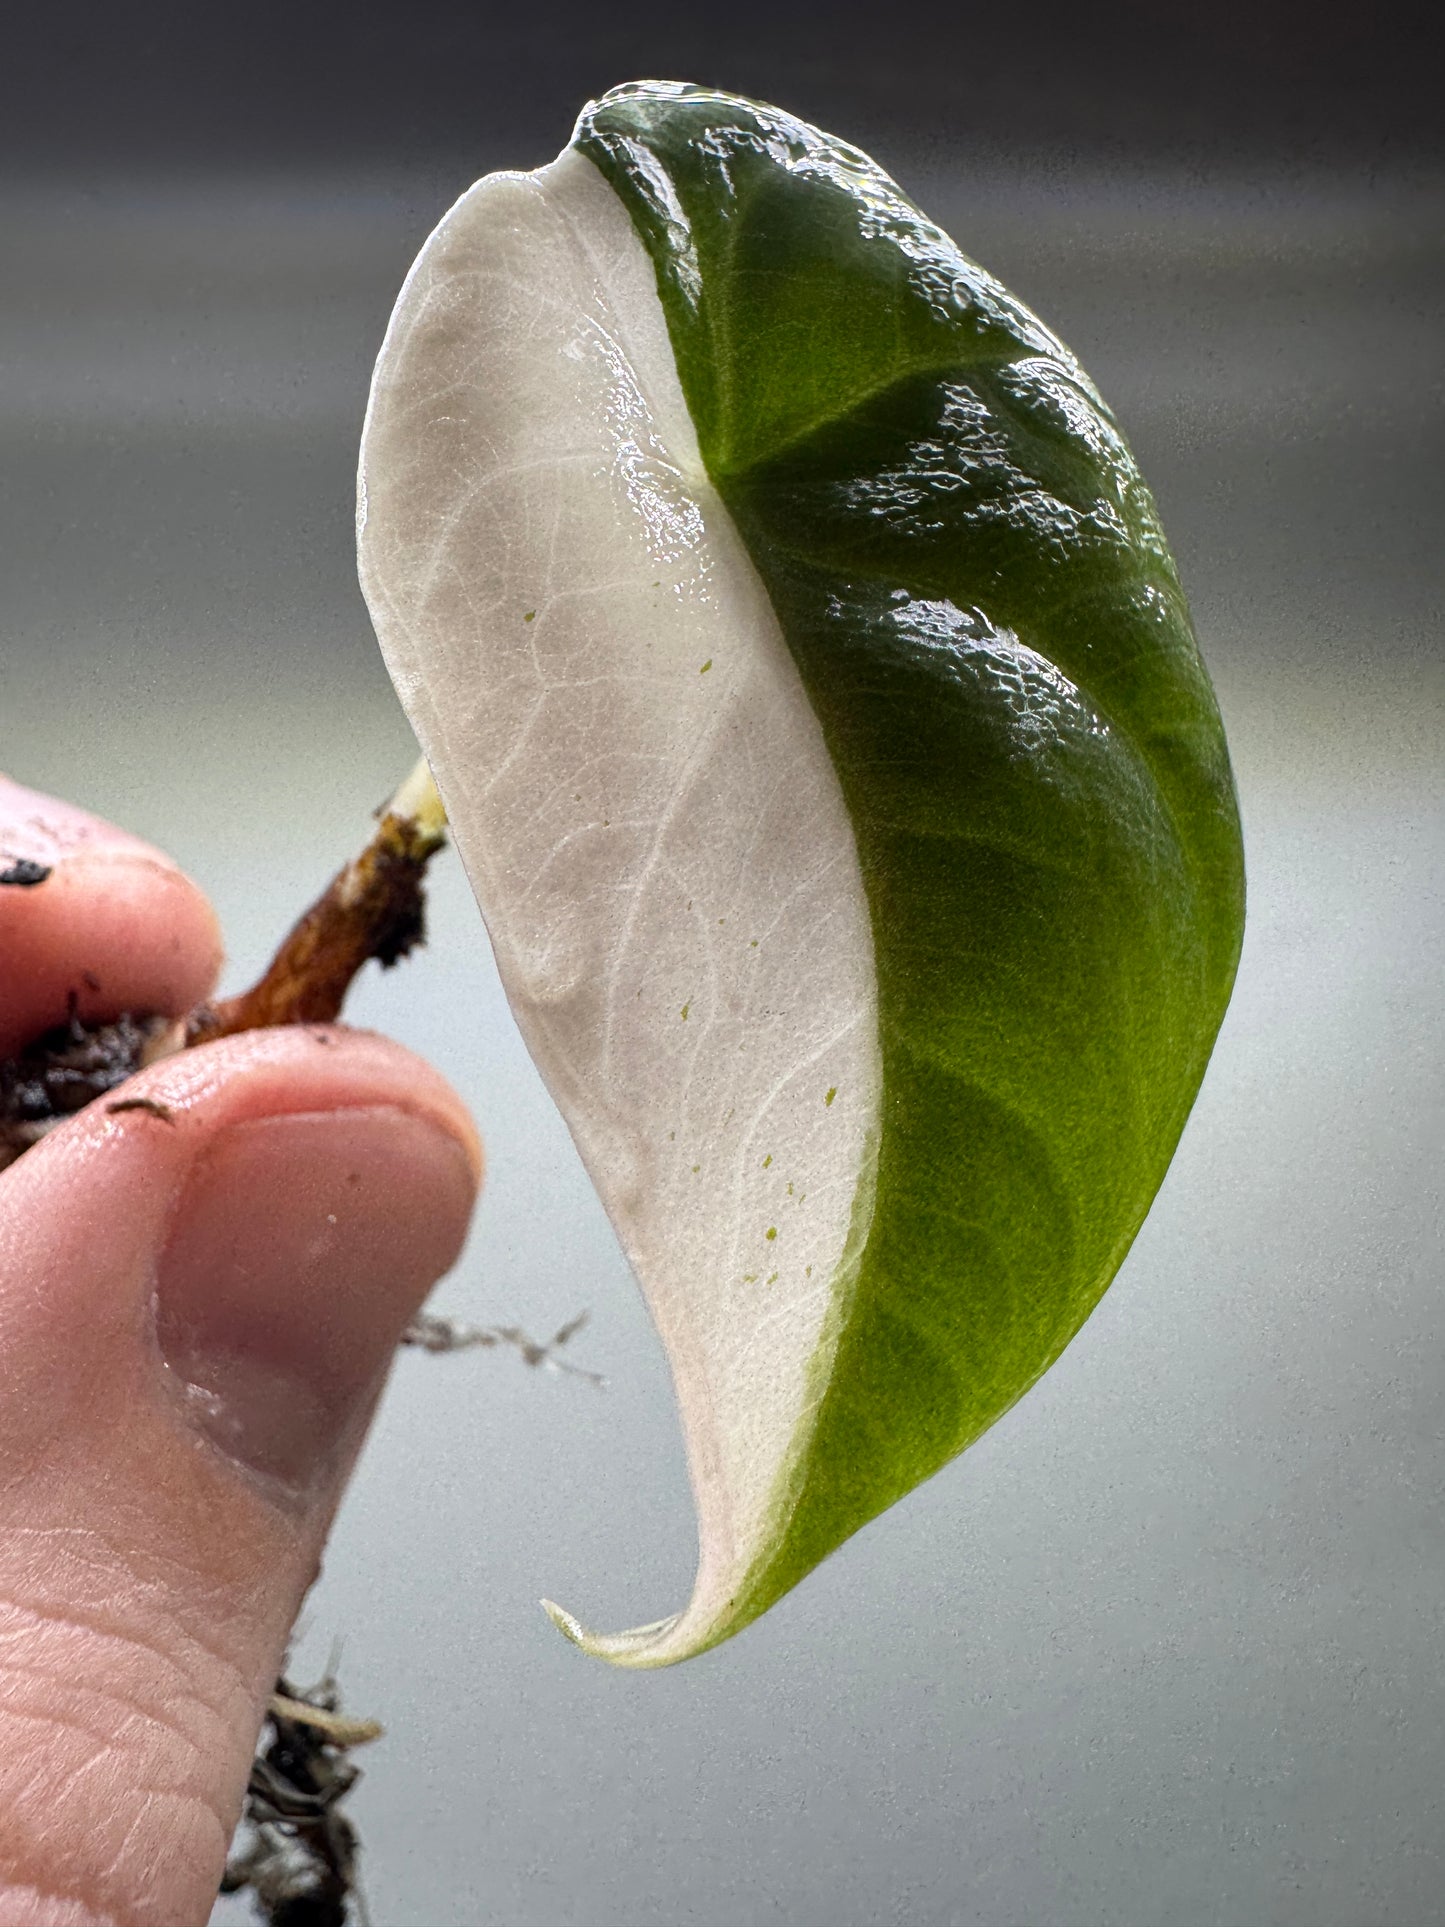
(199, 1300)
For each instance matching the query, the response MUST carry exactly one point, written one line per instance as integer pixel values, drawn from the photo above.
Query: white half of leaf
(646, 809)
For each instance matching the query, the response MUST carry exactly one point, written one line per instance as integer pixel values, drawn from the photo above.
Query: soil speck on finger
(24, 873)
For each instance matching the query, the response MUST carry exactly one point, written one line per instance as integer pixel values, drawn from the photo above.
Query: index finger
(91, 918)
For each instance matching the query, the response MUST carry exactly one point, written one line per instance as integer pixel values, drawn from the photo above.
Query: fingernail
(300, 1247)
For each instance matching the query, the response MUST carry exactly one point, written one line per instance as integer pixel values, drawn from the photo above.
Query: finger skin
(148, 1582)
(115, 924)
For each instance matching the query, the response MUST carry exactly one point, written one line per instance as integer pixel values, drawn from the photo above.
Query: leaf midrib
(723, 472)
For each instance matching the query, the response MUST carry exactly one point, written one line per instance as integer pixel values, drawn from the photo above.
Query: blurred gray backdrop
(1166, 1646)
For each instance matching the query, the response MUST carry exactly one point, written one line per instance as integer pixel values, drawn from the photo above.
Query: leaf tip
(663, 1643)
(569, 1627)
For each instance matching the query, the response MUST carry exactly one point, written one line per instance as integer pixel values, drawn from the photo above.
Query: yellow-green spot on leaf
(706, 666)
(831, 1095)
(775, 1277)
(767, 1160)
(771, 1232)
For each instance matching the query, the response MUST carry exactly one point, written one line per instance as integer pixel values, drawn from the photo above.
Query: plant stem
(373, 907)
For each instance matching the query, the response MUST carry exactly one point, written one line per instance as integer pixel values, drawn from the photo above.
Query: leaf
(818, 714)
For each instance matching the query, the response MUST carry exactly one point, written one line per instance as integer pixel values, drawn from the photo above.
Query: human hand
(198, 1307)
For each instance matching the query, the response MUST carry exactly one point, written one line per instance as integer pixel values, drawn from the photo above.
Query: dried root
(296, 1851)
(429, 1333)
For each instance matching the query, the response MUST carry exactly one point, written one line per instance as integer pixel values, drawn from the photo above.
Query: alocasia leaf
(817, 711)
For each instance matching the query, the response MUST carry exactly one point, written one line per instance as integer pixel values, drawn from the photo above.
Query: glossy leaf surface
(1008, 779)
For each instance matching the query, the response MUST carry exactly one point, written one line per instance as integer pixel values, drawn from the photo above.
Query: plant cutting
(815, 706)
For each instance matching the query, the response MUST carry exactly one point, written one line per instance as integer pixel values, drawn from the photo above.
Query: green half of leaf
(972, 578)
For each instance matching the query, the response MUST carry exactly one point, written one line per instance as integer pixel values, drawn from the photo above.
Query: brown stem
(373, 908)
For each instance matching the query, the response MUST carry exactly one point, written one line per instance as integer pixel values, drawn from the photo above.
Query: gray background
(1166, 1646)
